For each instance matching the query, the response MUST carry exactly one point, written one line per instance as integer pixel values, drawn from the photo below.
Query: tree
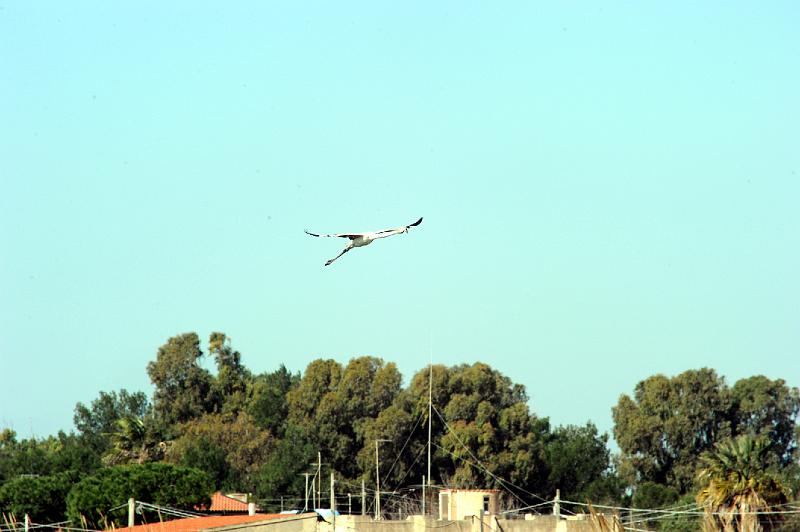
(245, 445)
(268, 403)
(25, 457)
(333, 404)
(401, 446)
(763, 407)
(682, 522)
(71, 454)
(668, 423)
(233, 379)
(42, 498)
(206, 456)
(163, 484)
(651, 495)
(44, 457)
(97, 422)
(283, 469)
(184, 390)
(482, 428)
(737, 480)
(577, 456)
(136, 441)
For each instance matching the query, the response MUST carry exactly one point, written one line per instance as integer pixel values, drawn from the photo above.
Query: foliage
(97, 422)
(608, 489)
(260, 433)
(651, 495)
(184, 390)
(93, 497)
(231, 383)
(682, 522)
(489, 421)
(670, 422)
(576, 457)
(42, 457)
(136, 441)
(268, 404)
(206, 456)
(244, 444)
(332, 405)
(737, 480)
(667, 425)
(283, 470)
(42, 498)
(763, 407)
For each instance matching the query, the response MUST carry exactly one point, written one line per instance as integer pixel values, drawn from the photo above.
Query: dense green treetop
(238, 431)
(183, 390)
(99, 420)
(92, 499)
(41, 497)
(670, 422)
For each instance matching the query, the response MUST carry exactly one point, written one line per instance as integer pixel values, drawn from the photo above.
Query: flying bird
(358, 240)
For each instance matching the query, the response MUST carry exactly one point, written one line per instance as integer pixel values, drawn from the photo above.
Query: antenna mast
(430, 408)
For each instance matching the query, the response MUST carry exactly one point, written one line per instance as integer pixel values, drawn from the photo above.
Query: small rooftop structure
(458, 504)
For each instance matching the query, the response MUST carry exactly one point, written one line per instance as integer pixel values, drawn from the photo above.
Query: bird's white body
(358, 240)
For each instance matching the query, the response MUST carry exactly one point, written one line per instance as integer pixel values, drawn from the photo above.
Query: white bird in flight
(358, 240)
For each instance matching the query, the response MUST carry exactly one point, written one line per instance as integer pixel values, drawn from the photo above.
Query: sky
(610, 190)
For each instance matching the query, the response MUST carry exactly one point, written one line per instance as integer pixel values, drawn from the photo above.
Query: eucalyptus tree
(668, 423)
(184, 390)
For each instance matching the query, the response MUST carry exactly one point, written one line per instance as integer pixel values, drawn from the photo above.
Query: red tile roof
(194, 524)
(223, 503)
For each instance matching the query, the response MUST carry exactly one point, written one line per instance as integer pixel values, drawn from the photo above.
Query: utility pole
(557, 504)
(131, 512)
(423, 494)
(319, 476)
(333, 497)
(430, 419)
(363, 498)
(377, 482)
(377, 487)
(349, 504)
(305, 507)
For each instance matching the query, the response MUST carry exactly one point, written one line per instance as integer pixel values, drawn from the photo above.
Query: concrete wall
(363, 523)
(291, 523)
(418, 523)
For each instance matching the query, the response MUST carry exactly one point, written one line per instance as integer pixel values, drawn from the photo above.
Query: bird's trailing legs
(345, 250)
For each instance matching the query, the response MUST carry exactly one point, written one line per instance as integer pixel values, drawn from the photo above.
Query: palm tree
(134, 443)
(738, 483)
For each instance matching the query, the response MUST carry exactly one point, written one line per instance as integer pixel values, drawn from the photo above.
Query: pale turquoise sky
(610, 190)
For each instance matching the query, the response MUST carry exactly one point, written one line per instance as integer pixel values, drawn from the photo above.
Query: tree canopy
(236, 430)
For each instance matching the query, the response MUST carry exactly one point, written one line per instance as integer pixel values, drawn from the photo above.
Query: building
(459, 504)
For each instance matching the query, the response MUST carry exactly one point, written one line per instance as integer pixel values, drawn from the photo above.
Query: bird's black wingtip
(416, 223)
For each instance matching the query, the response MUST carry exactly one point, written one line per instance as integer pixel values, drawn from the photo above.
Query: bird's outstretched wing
(400, 228)
(351, 236)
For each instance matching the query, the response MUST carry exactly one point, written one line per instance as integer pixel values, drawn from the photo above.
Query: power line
(498, 479)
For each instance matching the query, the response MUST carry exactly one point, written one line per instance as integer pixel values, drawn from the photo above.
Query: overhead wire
(502, 482)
